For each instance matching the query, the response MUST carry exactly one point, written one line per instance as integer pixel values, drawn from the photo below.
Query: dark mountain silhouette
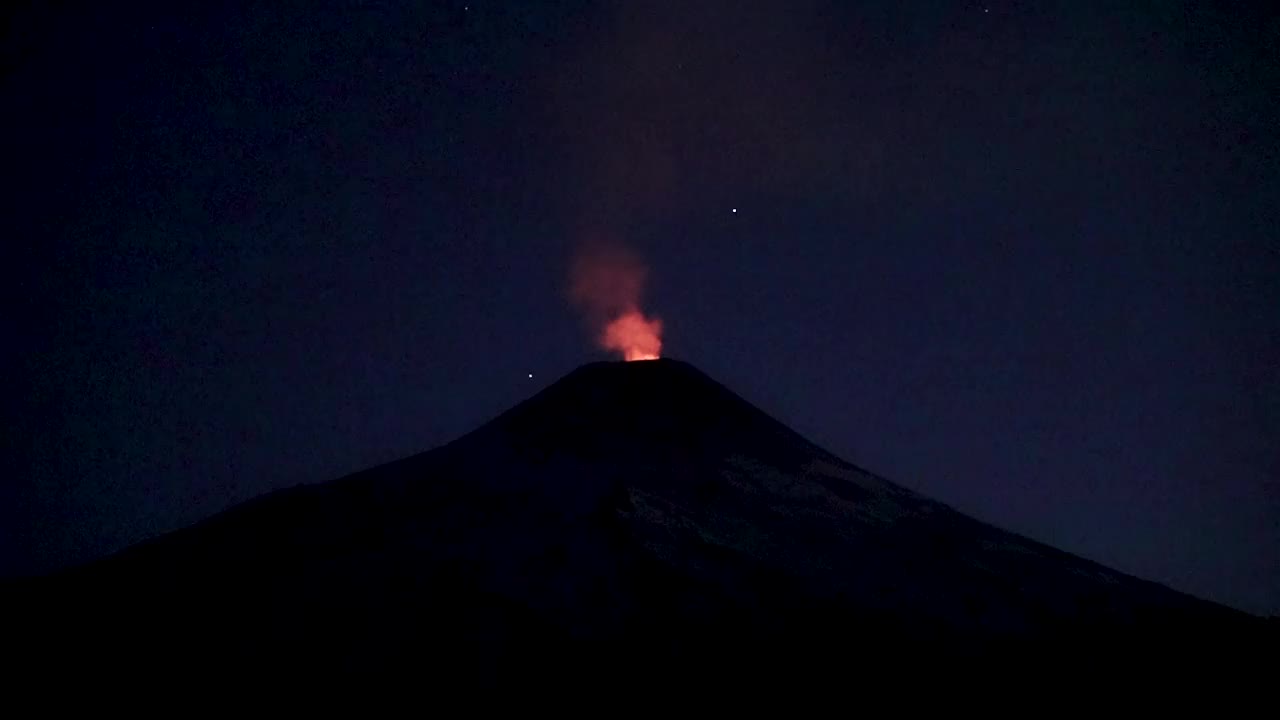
(631, 522)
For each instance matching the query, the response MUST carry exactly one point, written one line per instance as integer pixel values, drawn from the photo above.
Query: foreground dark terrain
(632, 522)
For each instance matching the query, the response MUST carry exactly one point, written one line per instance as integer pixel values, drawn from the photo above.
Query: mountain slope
(632, 515)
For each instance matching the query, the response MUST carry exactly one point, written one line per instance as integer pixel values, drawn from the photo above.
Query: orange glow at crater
(634, 335)
(606, 282)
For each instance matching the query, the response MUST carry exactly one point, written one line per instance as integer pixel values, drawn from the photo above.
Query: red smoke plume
(606, 283)
(636, 337)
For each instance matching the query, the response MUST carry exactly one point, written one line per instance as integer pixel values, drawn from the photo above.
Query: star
(735, 210)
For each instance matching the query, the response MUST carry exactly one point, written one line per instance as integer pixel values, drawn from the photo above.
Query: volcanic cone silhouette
(633, 520)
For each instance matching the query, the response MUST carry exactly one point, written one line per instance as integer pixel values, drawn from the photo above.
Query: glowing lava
(634, 335)
(607, 281)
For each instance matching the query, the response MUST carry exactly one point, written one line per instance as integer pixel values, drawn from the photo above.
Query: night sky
(1020, 257)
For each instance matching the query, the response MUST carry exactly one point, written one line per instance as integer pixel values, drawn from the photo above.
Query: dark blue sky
(1021, 257)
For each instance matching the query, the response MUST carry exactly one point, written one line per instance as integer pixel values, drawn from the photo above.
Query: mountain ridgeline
(631, 521)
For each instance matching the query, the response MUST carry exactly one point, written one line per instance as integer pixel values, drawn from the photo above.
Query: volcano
(634, 521)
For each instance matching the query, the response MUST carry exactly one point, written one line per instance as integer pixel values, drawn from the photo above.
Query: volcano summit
(632, 520)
